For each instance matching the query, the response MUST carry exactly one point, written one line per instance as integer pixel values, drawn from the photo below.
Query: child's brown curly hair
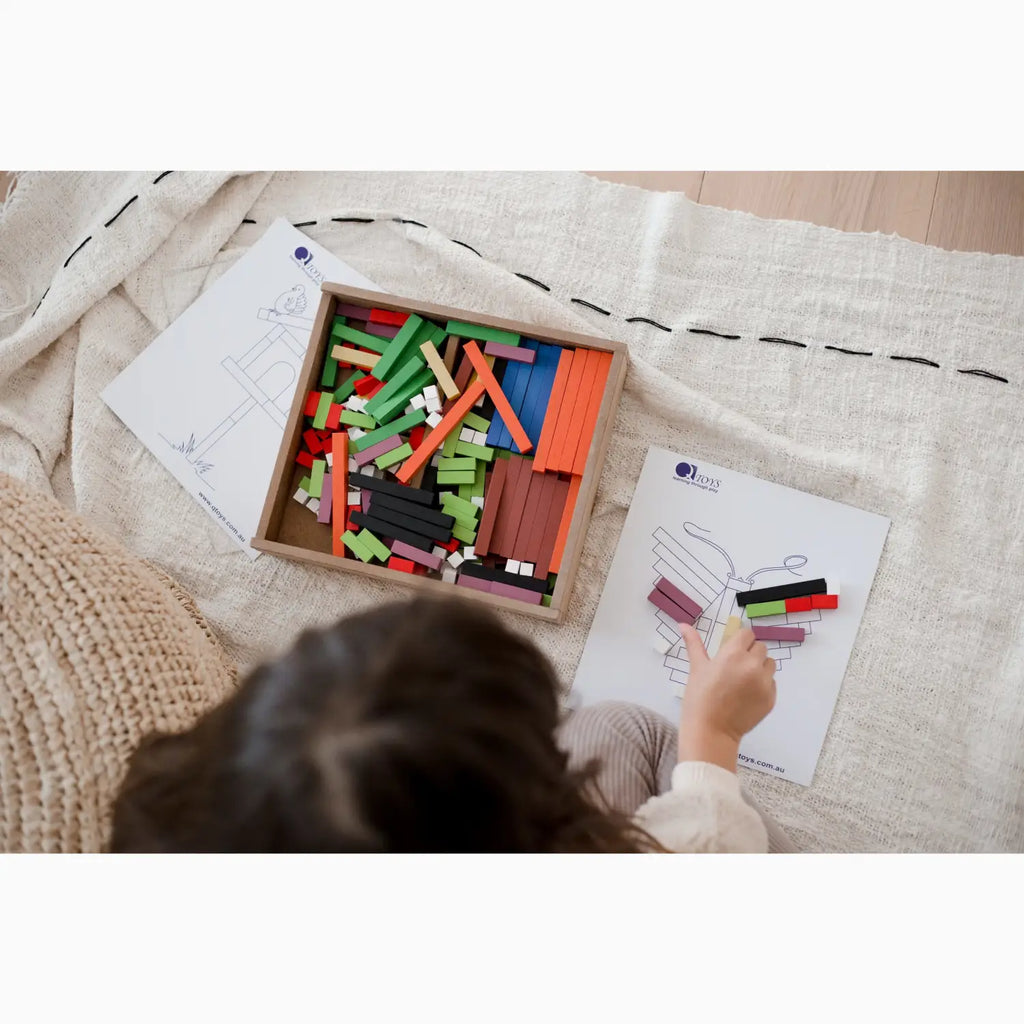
(422, 726)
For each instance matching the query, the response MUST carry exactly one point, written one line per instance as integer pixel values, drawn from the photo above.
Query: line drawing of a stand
(266, 372)
(716, 593)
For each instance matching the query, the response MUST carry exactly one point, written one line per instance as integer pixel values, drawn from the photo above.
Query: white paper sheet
(714, 532)
(210, 396)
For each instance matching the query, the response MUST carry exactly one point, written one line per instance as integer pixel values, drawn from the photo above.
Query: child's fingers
(694, 645)
(743, 640)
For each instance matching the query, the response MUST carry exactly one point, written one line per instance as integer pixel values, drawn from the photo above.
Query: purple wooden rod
(475, 583)
(389, 444)
(517, 593)
(670, 608)
(326, 498)
(513, 352)
(403, 550)
(364, 500)
(673, 593)
(352, 312)
(778, 633)
(382, 330)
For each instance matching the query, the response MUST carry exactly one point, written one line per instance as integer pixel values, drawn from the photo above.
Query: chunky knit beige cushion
(97, 648)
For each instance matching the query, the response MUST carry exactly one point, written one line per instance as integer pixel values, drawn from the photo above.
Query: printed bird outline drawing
(292, 302)
(262, 378)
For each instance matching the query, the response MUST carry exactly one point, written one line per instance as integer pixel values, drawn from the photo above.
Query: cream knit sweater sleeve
(703, 812)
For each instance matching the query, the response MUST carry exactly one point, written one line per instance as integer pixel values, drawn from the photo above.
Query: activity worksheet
(210, 396)
(715, 533)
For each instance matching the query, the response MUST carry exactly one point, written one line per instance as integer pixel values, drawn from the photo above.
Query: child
(429, 726)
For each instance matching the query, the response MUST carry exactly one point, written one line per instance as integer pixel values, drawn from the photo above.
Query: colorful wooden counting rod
(793, 604)
(778, 633)
(781, 593)
(673, 593)
(434, 440)
(497, 396)
(813, 603)
(669, 607)
(513, 352)
(755, 611)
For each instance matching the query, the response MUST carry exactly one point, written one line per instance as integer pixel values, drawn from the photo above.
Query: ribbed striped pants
(637, 750)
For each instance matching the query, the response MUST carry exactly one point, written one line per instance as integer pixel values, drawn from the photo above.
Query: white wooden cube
(467, 434)
(449, 575)
(480, 438)
(301, 495)
(661, 645)
(455, 559)
(418, 402)
(314, 504)
(433, 405)
(433, 419)
(469, 553)
(430, 391)
(440, 552)
(356, 433)
(526, 569)
(477, 500)
(330, 459)
(355, 497)
(512, 566)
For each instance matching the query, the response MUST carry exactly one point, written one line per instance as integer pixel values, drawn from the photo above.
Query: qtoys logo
(304, 258)
(689, 474)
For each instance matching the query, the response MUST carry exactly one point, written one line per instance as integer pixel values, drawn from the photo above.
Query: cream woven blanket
(863, 368)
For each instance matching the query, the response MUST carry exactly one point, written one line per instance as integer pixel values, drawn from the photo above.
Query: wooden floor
(971, 211)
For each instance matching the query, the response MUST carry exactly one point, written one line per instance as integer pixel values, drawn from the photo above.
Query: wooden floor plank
(970, 211)
(895, 202)
(979, 211)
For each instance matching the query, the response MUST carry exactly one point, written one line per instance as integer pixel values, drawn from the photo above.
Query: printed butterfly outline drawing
(716, 593)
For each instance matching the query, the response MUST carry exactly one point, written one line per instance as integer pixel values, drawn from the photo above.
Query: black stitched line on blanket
(305, 224)
(848, 351)
(916, 359)
(76, 252)
(40, 302)
(533, 280)
(160, 177)
(985, 373)
(248, 220)
(783, 341)
(645, 320)
(714, 334)
(467, 246)
(590, 305)
(119, 212)
(630, 319)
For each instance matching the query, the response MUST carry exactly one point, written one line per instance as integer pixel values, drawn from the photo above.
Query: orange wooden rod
(501, 403)
(433, 440)
(547, 432)
(590, 418)
(563, 529)
(564, 452)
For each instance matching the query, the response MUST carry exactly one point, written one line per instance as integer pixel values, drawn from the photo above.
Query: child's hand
(726, 696)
